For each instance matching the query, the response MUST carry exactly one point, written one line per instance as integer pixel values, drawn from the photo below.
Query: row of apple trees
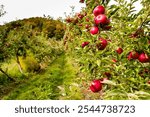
(111, 44)
(33, 41)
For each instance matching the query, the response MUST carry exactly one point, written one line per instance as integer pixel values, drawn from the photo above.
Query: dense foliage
(115, 46)
(28, 46)
(104, 54)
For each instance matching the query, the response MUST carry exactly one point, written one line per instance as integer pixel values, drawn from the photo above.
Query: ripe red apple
(143, 58)
(87, 26)
(85, 13)
(79, 15)
(94, 30)
(100, 19)
(81, 1)
(149, 42)
(133, 55)
(96, 86)
(98, 10)
(80, 25)
(119, 50)
(68, 19)
(148, 82)
(85, 44)
(114, 60)
(87, 19)
(134, 35)
(102, 45)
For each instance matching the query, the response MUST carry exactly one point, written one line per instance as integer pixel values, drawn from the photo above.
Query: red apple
(98, 10)
(94, 30)
(81, 1)
(119, 50)
(143, 58)
(100, 19)
(148, 82)
(149, 42)
(96, 86)
(87, 19)
(87, 26)
(79, 15)
(85, 13)
(133, 55)
(114, 60)
(102, 45)
(85, 44)
(68, 19)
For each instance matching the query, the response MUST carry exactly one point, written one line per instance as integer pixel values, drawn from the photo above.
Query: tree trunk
(19, 65)
(10, 78)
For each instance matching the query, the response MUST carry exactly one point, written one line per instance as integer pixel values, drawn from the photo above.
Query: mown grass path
(45, 86)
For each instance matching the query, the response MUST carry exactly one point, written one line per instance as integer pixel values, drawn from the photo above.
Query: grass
(46, 85)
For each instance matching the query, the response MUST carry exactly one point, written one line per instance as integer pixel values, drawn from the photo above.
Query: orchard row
(101, 22)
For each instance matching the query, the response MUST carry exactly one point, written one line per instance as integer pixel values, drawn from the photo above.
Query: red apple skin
(85, 44)
(81, 1)
(94, 30)
(98, 10)
(114, 60)
(80, 16)
(148, 82)
(143, 58)
(87, 26)
(96, 86)
(87, 19)
(119, 50)
(102, 45)
(85, 13)
(100, 19)
(68, 20)
(133, 55)
(149, 42)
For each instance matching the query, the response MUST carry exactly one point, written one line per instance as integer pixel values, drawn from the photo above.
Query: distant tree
(2, 12)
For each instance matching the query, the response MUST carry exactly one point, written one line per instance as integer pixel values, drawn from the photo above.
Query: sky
(20, 9)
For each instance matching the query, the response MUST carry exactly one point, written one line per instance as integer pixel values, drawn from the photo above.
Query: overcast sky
(19, 9)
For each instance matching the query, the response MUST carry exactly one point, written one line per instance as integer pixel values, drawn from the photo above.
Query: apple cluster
(142, 57)
(101, 22)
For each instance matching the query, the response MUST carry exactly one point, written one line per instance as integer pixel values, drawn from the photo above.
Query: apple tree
(111, 43)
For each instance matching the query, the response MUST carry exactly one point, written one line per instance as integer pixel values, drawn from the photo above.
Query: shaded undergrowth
(45, 85)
